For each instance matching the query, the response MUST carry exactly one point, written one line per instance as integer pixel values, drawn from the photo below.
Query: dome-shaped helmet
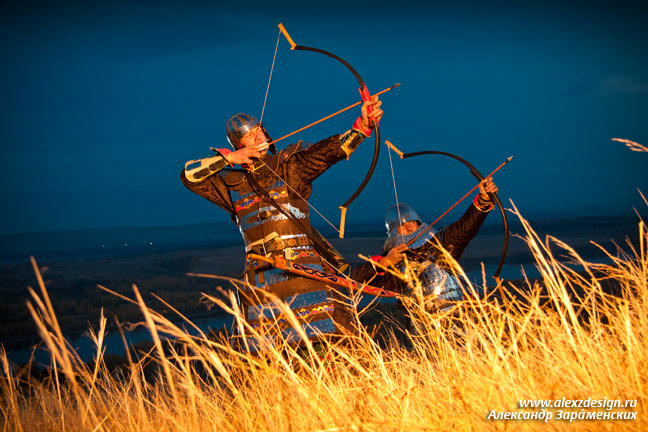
(397, 215)
(240, 124)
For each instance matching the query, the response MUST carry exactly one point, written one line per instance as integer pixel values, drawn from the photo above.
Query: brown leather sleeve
(456, 236)
(213, 189)
(311, 162)
(366, 273)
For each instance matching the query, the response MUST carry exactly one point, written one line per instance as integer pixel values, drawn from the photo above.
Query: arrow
(462, 198)
(325, 118)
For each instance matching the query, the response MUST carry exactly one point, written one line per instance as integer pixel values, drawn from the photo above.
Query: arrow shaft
(329, 116)
(457, 203)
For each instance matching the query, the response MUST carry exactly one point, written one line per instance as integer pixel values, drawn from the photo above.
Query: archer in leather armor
(429, 246)
(266, 198)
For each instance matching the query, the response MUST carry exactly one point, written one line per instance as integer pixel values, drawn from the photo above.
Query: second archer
(428, 250)
(266, 195)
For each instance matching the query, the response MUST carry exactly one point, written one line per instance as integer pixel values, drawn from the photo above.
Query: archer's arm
(457, 235)
(370, 115)
(198, 176)
(370, 274)
(318, 157)
(198, 170)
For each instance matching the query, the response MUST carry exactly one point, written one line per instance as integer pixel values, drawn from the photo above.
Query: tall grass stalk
(565, 336)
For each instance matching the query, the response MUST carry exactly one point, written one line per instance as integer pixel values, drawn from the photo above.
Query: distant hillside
(73, 263)
(128, 240)
(114, 241)
(57, 245)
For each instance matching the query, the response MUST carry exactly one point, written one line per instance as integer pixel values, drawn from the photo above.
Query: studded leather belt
(277, 244)
(281, 244)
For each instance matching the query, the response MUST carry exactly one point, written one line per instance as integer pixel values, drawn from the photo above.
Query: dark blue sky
(103, 103)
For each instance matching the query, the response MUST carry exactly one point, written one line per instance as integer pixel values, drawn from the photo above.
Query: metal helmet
(240, 124)
(436, 281)
(396, 216)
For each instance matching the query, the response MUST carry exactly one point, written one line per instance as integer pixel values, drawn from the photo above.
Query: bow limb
(364, 92)
(479, 177)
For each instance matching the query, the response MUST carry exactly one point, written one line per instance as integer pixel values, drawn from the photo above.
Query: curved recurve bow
(479, 177)
(364, 92)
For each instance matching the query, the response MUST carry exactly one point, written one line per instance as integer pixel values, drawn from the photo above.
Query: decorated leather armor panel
(266, 231)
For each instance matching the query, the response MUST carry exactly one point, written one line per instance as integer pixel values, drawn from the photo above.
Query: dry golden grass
(458, 367)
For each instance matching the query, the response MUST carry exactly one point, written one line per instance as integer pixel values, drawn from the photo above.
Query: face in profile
(255, 138)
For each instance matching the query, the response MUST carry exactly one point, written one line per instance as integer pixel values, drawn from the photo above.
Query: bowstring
(391, 166)
(274, 58)
(270, 77)
(311, 206)
(297, 193)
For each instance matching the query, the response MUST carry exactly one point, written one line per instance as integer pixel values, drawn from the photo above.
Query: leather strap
(321, 248)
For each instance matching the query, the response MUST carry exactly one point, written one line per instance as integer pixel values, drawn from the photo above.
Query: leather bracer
(198, 170)
(350, 141)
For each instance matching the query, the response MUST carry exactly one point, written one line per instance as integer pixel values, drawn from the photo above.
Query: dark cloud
(579, 88)
(627, 85)
(615, 85)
